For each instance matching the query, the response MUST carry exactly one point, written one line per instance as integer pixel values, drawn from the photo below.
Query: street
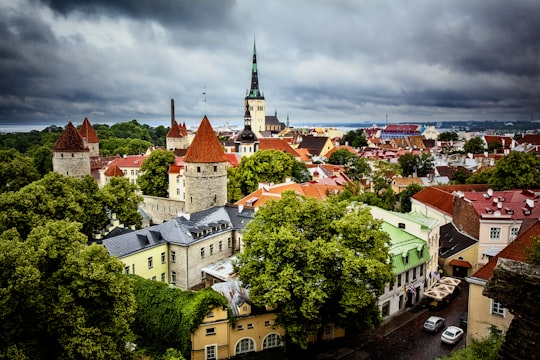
(409, 341)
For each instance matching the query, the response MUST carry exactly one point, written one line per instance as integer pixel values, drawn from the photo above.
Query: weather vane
(204, 93)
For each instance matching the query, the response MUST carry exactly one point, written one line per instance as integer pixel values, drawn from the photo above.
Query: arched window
(244, 346)
(271, 341)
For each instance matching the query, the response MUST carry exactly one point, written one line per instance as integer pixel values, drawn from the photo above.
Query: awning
(450, 281)
(492, 251)
(462, 263)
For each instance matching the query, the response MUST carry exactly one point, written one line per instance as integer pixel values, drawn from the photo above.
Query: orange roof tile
(174, 131)
(70, 140)
(88, 132)
(277, 144)
(183, 129)
(134, 161)
(114, 170)
(442, 198)
(205, 147)
(516, 250)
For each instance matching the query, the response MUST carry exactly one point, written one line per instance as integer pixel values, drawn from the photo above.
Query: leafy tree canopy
(271, 166)
(58, 197)
(474, 145)
(448, 136)
(341, 157)
(320, 262)
(485, 349)
(16, 170)
(405, 196)
(355, 138)
(419, 164)
(118, 146)
(154, 180)
(516, 171)
(166, 317)
(62, 299)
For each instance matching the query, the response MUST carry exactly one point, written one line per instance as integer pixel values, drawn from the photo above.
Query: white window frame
(514, 231)
(272, 340)
(241, 349)
(211, 352)
(494, 233)
(496, 308)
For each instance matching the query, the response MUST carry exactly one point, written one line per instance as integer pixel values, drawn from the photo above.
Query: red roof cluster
(70, 140)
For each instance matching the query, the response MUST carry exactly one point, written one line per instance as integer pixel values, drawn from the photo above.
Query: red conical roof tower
(205, 147)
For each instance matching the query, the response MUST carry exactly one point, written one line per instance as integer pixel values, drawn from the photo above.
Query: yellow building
(486, 313)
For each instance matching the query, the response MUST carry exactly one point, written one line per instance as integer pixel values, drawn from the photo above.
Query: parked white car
(434, 324)
(452, 335)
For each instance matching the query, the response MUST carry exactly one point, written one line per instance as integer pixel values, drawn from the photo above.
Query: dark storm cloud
(172, 12)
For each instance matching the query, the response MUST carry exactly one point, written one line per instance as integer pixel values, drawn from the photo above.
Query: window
(244, 346)
(240, 327)
(267, 323)
(414, 274)
(210, 331)
(132, 172)
(162, 277)
(399, 280)
(497, 308)
(514, 233)
(211, 249)
(406, 259)
(422, 270)
(391, 285)
(401, 225)
(154, 278)
(211, 352)
(229, 242)
(163, 259)
(495, 233)
(407, 276)
(271, 341)
(210, 314)
(173, 256)
(133, 268)
(250, 326)
(385, 310)
(126, 269)
(198, 169)
(215, 168)
(202, 253)
(220, 246)
(421, 253)
(150, 262)
(173, 277)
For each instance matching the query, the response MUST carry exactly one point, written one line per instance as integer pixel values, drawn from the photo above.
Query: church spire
(254, 92)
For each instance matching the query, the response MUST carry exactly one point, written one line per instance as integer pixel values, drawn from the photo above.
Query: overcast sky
(319, 61)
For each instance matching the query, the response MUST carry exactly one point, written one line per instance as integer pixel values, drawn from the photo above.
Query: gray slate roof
(183, 230)
(452, 241)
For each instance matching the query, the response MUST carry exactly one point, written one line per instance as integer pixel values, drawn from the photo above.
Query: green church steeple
(254, 92)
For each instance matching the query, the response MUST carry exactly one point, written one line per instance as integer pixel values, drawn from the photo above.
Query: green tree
(355, 138)
(419, 164)
(118, 146)
(120, 197)
(495, 147)
(16, 170)
(357, 168)
(42, 156)
(533, 254)
(131, 130)
(516, 171)
(341, 157)
(320, 262)
(271, 166)
(474, 145)
(448, 136)
(62, 299)
(480, 177)
(405, 196)
(460, 176)
(154, 180)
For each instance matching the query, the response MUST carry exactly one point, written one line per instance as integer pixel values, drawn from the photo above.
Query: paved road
(409, 341)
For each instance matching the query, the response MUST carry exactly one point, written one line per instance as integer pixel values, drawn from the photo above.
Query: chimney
(172, 112)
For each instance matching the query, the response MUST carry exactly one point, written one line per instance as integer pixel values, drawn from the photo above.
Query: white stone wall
(177, 143)
(205, 185)
(75, 164)
(258, 115)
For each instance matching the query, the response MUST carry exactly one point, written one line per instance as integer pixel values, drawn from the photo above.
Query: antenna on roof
(204, 93)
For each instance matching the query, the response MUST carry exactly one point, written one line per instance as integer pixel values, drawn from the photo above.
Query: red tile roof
(70, 140)
(205, 147)
(114, 170)
(183, 129)
(277, 144)
(516, 250)
(462, 263)
(132, 161)
(511, 204)
(340, 147)
(88, 132)
(174, 131)
(442, 198)
(533, 139)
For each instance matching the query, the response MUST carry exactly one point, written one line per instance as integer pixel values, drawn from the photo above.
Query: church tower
(205, 171)
(246, 142)
(71, 156)
(255, 99)
(90, 137)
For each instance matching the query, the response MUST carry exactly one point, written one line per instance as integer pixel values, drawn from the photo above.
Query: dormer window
(401, 225)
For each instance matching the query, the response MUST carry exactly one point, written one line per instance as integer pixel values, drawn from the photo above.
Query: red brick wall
(466, 218)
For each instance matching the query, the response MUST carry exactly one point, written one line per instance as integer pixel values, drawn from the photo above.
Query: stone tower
(177, 137)
(90, 137)
(246, 142)
(255, 99)
(205, 171)
(71, 157)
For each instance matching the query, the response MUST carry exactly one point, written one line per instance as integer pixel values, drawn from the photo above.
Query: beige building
(486, 313)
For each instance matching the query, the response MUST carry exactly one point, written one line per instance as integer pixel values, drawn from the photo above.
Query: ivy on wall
(166, 317)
